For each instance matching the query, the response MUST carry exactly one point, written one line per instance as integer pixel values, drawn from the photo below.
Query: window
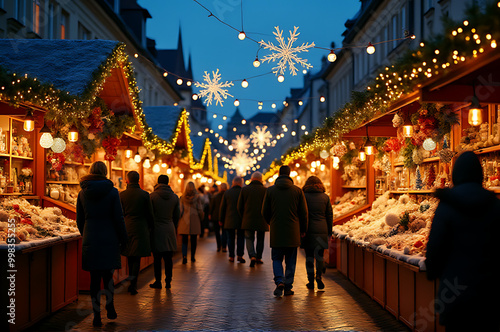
(19, 10)
(386, 37)
(395, 34)
(51, 20)
(37, 16)
(64, 25)
(83, 33)
(404, 25)
(1, 4)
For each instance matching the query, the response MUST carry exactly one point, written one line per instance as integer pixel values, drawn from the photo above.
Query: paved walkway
(215, 295)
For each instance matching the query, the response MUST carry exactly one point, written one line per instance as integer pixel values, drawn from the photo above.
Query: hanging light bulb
(370, 49)
(244, 83)
(137, 157)
(362, 155)
(369, 147)
(256, 62)
(194, 96)
(128, 151)
(29, 121)
(147, 163)
(46, 140)
(332, 56)
(322, 99)
(242, 35)
(281, 78)
(407, 128)
(475, 111)
(179, 81)
(58, 144)
(236, 102)
(156, 168)
(73, 134)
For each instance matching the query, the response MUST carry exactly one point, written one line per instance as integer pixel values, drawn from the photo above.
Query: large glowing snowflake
(213, 89)
(261, 137)
(241, 163)
(241, 143)
(286, 54)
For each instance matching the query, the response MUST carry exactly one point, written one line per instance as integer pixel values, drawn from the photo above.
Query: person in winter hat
(99, 218)
(462, 250)
(319, 228)
(285, 210)
(163, 235)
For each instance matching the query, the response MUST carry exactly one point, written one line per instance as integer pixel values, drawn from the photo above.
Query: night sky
(213, 45)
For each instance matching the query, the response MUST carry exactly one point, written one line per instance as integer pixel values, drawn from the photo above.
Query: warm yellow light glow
(493, 44)
(188, 83)
(181, 176)
(362, 156)
(128, 153)
(244, 83)
(369, 150)
(332, 56)
(322, 167)
(370, 49)
(165, 74)
(475, 116)
(301, 103)
(236, 102)
(137, 157)
(214, 116)
(243, 121)
(242, 36)
(408, 130)
(29, 122)
(322, 99)
(273, 105)
(179, 81)
(297, 165)
(281, 78)
(147, 163)
(256, 62)
(336, 160)
(156, 168)
(73, 134)
(194, 96)
(219, 126)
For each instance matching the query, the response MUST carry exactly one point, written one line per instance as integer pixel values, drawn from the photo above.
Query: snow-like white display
(261, 137)
(285, 53)
(213, 89)
(241, 143)
(348, 202)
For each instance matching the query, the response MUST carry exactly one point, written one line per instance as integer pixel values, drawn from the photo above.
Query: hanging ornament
(213, 89)
(261, 137)
(241, 143)
(58, 145)
(46, 140)
(285, 53)
(397, 121)
(324, 154)
(429, 144)
(156, 168)
(418, 157)
(241, 163)
(29, 121)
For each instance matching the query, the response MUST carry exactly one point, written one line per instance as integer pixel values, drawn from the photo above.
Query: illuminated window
(64, 25)
(36, 16)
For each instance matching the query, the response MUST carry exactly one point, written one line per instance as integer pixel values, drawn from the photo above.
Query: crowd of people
(135, 224)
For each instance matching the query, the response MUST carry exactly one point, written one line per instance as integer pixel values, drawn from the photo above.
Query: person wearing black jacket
(99, 218)
(462, 251)
(163, 235)
(214, 212)
(231, 220)
(319, 229)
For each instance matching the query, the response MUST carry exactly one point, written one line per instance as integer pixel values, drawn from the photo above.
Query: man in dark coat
(214, 211)
(232, 221)
(250, 210)
(285, 209)
(461, 251)
(99, 218)
(163, 235)
(139, 219)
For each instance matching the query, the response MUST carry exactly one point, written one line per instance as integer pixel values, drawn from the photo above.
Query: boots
(310, 284)
(96, 308)
(320, 283)
(111, 312)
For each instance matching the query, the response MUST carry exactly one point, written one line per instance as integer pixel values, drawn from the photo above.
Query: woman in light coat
(190, 222)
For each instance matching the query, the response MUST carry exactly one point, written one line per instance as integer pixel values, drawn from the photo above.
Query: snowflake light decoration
(242, 163)
(261, 137)
(285, 53)
(241, 143)
(213, 89)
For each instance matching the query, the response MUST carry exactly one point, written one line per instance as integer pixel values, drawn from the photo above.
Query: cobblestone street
(214, 294)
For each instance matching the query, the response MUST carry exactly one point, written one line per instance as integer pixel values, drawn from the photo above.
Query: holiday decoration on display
(418, 179)
(446, 155)
(397, 121)
(110, 145)
(261, 137)
(285, 53)
(429, 144)
(241, 143)
(418, 157)
(56, 160)
(431, 177)
(241, 163)
(213, 89)
(339, 149)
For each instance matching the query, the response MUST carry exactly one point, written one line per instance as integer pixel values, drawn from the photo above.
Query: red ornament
(393, 144)
(418, 244)
(56, 160)
(96, 122)
(110, 145)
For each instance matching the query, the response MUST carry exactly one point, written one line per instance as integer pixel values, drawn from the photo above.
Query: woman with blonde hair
(99, 217)
(319, 229)
(190, 222)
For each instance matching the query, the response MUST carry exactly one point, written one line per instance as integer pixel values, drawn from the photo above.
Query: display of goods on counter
(400, 224)
(33, 222)
(348, 202)
(353, 176)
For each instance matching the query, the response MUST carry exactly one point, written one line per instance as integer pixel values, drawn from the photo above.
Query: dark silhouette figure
(190, 222)
(462, 251)
(319, 229)
(163, 235)
(215, 218)
(231, 220)
(139, 219)
(99, 217)
(252, 221)
(285, 209)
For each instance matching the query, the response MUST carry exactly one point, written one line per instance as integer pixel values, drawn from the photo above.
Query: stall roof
(163, 120)
(69, 65)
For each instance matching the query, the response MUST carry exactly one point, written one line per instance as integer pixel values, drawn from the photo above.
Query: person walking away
(139, 219)
(190, 222)
(231, 220)
(252, 221)
(461, 251)
(215, 218)
(99, 218)
(205, 201)
(163, 236)
(214, 189)
(319, 229)
(285, 210)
